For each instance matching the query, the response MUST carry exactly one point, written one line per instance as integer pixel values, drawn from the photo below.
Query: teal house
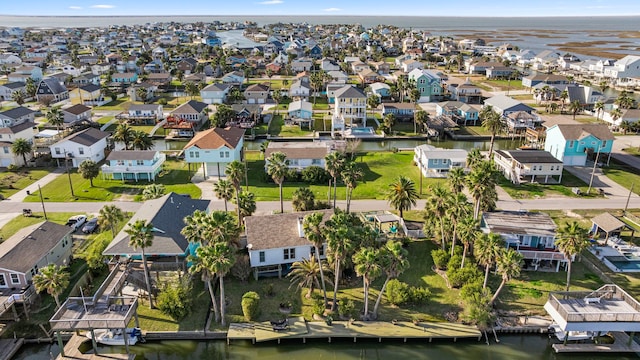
(460, 112)
(429, 84)
(573, 144)
(136, 165)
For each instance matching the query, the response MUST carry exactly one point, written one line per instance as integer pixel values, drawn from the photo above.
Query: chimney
(300, 229)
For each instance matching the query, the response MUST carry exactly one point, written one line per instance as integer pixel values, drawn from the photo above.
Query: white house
(75, 114)
(300, 154)
(215, 149)
(88, 144)
(300, 89)
(215, 93)
(146, 113)
(528, 165)
(436, 162)
(8, 135)
(625, 68)
(276, 241)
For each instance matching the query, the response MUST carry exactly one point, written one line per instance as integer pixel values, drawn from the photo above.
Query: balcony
(135, 169)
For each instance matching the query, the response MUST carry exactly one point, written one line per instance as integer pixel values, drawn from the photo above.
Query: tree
(351, 174)
(564, 95)
(217, 258)
(414, 95)
(616, 114)
(467, 232)
(393, 261)
(575, 107)
(306, 273)
(200, 265)
(372, 102)
(340, 235)
(334, 162)
(402, 194)
(263, 148)
(421, 117)
(388, 122)
(22, 147)
(123, 134)
(247, 205)
(191, 89)
(508, 265)
(141, 141)
(18, 96)
(598, 107)
(89, 169)
(367, 265)
(141, 94)
(316, 81)
(492, 122)
(474, 157)
(277, 168)
(313, 231)
(109, 217)
(277, 97)
(624, 100)
(456, 178)
(30, 87)
(436, 206)
(53, 279)
(571, 240)
(141, 236)
(487, 249)
(481, 182)
(55, 117)
(224, 114)
(153, 191)
(224, 191)
(235, 173)
(207, 228)
(303, 199)
(458, 208)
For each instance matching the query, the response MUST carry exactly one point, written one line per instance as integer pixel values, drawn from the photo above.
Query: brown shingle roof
(216, 138)
(277, 231)
(77, 109)
(608, 222)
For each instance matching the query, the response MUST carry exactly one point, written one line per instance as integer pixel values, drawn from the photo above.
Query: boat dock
(9, 347)
(72, 351)
(299, 328)
(623, 343)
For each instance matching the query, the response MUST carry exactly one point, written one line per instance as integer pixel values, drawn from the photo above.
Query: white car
(76, 221)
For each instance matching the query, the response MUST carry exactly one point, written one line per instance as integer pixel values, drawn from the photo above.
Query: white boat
(556, 331)
(114, 336)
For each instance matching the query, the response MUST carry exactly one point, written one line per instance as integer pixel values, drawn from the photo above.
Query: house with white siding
(528, 165)
(300, 154)
(88, 144)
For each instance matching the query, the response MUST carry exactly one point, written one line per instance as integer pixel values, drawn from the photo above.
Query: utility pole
(45, 211)
(628, 198)
(593, 171)
(66, 164)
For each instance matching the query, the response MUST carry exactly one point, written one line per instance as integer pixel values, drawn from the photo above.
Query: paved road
(623, 142)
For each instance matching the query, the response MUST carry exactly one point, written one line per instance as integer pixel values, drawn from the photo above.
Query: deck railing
(606, 293)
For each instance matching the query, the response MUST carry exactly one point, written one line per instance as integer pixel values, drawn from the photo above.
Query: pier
(623, 343)
(71, 351)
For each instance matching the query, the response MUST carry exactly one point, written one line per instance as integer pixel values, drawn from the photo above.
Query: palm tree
(372, 102)
(616, 114)
(334, 162)
(206, 228)
(123, 134)
(55, 117)
(316, 80)
(313, 231)
(141, 94)
(340, 237)
(421, 117)
(393, 261)
(402, 194)
(141, 236)
(351, 174)
(474, 157)
(481, 182)
(153, 191)
(277, 168)
(467, 232)
(508, 265)
(303, 199)
(367, 264)
(388, 122)
(52, 278)
(224, 191)
(235, 172)
(571, 240)
(599, 107)
(277, 97)
(437, 206)
(458, 208)
(141, 141)
(306, 274)
(564, 95)
(110, 216)
(575, 107)
(492, 122)
(201, 265)
(263, 148)
(89, 169)
(21, 147)
(246, 205)
(18, 96)
(487, 249)
(218, 258)
(456, 178)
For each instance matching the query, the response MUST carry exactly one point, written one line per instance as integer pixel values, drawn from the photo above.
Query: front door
(534, 241)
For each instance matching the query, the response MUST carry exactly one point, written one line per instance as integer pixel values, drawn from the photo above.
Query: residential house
(410, 64)
(298, 65)
(380, 89)
(358, 66)
(50, 90)
(215, 148)
(547, 79)
(504, 105)
(300, 109)
(436, 162)
(300, 90)
(573, 143)
(257, 93)
(234, 77)
(625, 68)
(134, 165)
(247, 115)
(32, 248)
(381, 67)
(480, 67)
(545, 60)
(124, 78)
(192, 111)
(465, 92)
(399, 110)
(145, 113)
(134, 91)
(187, 65)
(76, 114)
(429, 84)
(631, 116)
(15, 116)
(586, 96)
(532, 234)
(160, 79)
(350, 106)
(459, 112)
(518, 122)
(90, 95)
(170, 248)
(367, 76)
(8, 135)
(338, 76)
(100, 69)
(7, 90)
(499, 72)
(22, 73)
(88, 144)
(276, 241)
(327, 65)
(86, 78)
(215, 93)
(10, 59)
(300, 155)
(528, 165)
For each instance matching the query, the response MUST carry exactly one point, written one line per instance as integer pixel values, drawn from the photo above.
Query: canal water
(511, 347)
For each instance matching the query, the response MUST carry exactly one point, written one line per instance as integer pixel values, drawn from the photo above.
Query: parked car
(76, 221)
(90, 226)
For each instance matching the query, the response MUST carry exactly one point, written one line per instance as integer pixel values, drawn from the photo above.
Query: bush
(318, 307)
(469, 291)
(454, 262)
(459, 277)
(319, 205)
(250, 305)
(241, 270)
(440, 258)
(315, 175)
(346, 308)
(292, 175)
(419, 295)
(175, 300)
(268, 290)
(162, 101)
(397, 292)
(13, 168)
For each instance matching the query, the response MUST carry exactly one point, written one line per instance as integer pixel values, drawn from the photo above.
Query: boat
(114, 336)
(556, 331)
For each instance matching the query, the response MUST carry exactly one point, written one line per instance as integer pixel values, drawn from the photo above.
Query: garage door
(212, 169)
(575, 160)
(5, 162)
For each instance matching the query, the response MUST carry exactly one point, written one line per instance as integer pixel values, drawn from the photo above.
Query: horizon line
(332, 15)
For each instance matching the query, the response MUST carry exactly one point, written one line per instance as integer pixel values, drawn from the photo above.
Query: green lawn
(632, 150)
(473, 130)
(122, 103)
(380, 169)
(278, 128)
(175, 178)
(20, 222)
(321, 103)
(529, 190)
(623, 175)
(505, 84)
(12, 182)
(105, 119)
(402, 128)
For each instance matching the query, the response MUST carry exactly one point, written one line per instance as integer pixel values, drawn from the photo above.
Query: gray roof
(132, 155)
(166, 214)
(90, 87)
(14, 85)
(17, 112)
(25, 248)
(608, 222)
(144, 107)
(77, 109)
(504, 102)
(277, 231)
(86, 137)
(580, 131)
(216, 87)
(191, 107)
(519, 222)
(54, 85)
(349, 91)
(17, 128)
(530, 156)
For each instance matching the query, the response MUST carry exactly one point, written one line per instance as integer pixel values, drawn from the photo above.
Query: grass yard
(12, 182)
(175, 178)
(122, 103)
(105, 119)
(20, 222)
(473, 130)
(402, 129)
(537, 190)
(380, 169)
(321, 103)
(278, 128)
(623, 175)
(635, 151)
(505, 85)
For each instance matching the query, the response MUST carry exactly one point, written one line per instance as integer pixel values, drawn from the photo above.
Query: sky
(323, 7)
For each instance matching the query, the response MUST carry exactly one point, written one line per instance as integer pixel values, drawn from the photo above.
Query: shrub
(175, 300)
(315, 175)
(318, 307)
(250, 305)
(319, 205)
(459, 277)
(440, 258)
(469, 291)
(454, 262)
(292, 175)
(162, 101)
(13, 168)
(241, 270)
(397, 292)
(419, 295)
(346, 308)
(268, 290)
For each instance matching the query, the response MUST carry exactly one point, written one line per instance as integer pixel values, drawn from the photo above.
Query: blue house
(315, 52)
(429, 84)
(436, 162)
(214, 149)
(212, 40)
(125, 78)
(460, 112)
(170, 248)
(134, 165)
(300, 109)
(574, 143)
(400, 110)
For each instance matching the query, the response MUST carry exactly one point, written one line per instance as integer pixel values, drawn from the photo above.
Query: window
(604, 143)
(316, 161)
(221, 154)
(139, 162)
(15, 279)
(534, 167)
(226, 154)
(197, 155)
(262, 256)
(436, 161)
(3, 281)
(81, 151)
(571, 143)
(6, 149)
(58, 151)
(289, 253)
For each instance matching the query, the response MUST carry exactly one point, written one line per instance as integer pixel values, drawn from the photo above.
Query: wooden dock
(620, 345)
(300, 329)
(71, 351)
(9, 347)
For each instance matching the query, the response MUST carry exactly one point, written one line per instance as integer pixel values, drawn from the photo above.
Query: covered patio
(608, 225)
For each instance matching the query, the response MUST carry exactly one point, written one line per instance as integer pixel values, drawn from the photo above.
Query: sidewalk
(22, 194)
(600, 181)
